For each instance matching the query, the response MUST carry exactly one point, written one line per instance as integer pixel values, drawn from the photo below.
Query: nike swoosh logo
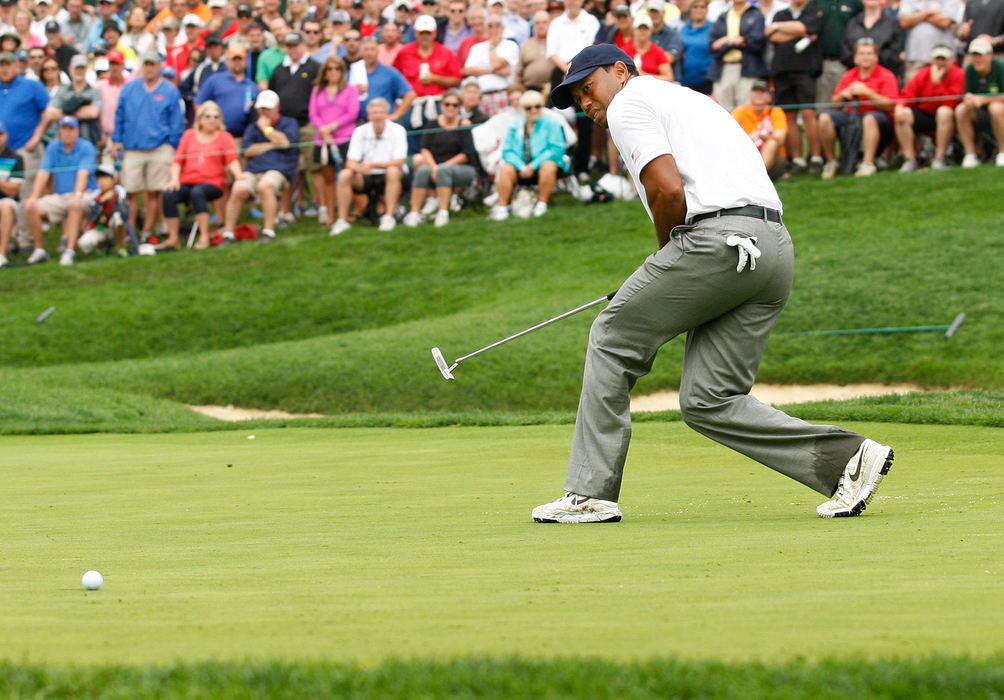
(853, 476)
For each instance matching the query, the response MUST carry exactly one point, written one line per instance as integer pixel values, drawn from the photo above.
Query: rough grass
(343, 326)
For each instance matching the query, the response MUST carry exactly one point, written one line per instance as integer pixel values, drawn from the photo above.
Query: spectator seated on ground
(374, 167)
(269, 146)
(870, 89)
(534, 153)
(11, 177)
(106, 218)
(69, 163)
(446, 162)
(927, 106)
(767, 126)
(982, 107)
(199, 172)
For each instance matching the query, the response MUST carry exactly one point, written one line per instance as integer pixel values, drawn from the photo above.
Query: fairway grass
(363, 545)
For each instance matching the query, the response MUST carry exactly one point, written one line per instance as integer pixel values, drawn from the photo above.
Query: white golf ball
(92, 580)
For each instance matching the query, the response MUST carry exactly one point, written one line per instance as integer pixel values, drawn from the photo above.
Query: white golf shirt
(480, 57)
(366, 145)
(720, 165)
(566, 37)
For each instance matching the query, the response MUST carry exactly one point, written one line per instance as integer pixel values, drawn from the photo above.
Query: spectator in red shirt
(199, 172)
(927, 105)
(873, 91)
(621, 34)
(649, 58)
(431, 69)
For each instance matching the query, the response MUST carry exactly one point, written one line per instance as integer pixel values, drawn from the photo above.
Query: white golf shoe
(857, 485)
(572, 508)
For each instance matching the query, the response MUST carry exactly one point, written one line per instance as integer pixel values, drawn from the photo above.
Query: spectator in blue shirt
(381, 81)
(270, 149)
(232, 90)
(22, 103)
(107, 12)
(149, 122)
(696, 50)
(69, 163)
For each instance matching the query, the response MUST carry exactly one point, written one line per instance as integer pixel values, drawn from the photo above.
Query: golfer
(722, 274)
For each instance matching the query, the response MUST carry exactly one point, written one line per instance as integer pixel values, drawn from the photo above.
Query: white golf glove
(748, 252)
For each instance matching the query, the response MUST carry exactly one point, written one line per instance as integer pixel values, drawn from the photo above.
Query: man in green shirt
(272, 57)
(983, 105)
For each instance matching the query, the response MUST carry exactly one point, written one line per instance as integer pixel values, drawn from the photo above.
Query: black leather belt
(750, 210)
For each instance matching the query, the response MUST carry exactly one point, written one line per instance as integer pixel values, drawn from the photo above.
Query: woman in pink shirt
(199, 172)
(334, 107)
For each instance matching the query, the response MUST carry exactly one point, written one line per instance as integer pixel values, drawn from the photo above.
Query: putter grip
(610, 296)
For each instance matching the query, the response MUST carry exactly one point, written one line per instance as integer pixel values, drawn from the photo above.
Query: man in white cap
(431, 69)
(703, 184)
(269, 145)
(79, 99)
(982, 107)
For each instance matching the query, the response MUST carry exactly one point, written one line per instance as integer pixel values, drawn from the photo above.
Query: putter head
(441, 363)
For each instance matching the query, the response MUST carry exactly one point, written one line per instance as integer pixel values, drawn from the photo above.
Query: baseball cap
(981, 46)
(760, 85)
(115, 56)
(43, 2)
(495, 2)
(100, 65)
(192, 21)
(403, 5)
(168, 72)
(267, 99)
(216, 3)
(643, 21)
(13, 37)
(425, 23)
(556, 5)
(356, 4)
(21, 55)
(51, 26)
(622, 10)
(106, 170)
(149, 57)
(79, 61)
(69, 121)
(213, 39)
(236, 50)
(245, 11)
(942, 51)
(292, 38)
(658, 5)
(584, 63)
(110, 25)
(170, 23)
(7, 57)
(340, 17)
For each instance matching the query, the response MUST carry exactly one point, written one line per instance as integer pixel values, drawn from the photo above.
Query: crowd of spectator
(116, 115)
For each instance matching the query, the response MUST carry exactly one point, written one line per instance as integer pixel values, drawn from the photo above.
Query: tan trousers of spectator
(833, 71)
(732, 89)
(32, 161)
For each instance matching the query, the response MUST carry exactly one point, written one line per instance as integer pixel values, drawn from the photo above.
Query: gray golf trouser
(454, 175)
(691, 285)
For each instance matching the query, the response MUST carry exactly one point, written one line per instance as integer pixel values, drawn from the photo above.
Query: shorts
(15, 204)
(251, 180)
(332, 161)
(146, 171)
(840, 119)
(56, 206)
(923, 123)
(794, 91)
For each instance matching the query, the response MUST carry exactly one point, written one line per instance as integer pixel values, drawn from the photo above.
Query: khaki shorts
(55, 206)
(147, 171)
(251, 180)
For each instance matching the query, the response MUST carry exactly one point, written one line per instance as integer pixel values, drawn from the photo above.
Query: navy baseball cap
(69, 121)
(584, 63)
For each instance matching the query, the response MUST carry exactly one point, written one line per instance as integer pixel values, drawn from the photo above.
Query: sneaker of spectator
(68, 257)
(909, 165)
(539, 209)
(340, 226)
(939, 164)
(387, 222)
(413, 219)
(865, 169)
(830, 168)
(499, 213)
(999, 160)
(971, 160)
(430, 206)
(442, 218)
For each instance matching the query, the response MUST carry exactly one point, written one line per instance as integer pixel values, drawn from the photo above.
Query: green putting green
(357, 545)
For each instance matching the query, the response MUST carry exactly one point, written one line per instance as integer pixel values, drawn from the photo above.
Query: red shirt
(624, 43)
(881, 81)
(920, 85)
(205, 163)
(441, 62)
(651, 59)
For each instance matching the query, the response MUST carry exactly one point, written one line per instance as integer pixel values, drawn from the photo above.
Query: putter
(447, 369)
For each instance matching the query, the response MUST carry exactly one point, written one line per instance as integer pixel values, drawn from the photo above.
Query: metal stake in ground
(949, 329)
(447, 369)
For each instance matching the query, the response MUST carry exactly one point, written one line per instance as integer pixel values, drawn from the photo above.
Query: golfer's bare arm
(666, 198)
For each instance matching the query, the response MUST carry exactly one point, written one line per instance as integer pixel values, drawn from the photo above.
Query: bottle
(802, 44)
(423, 70)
